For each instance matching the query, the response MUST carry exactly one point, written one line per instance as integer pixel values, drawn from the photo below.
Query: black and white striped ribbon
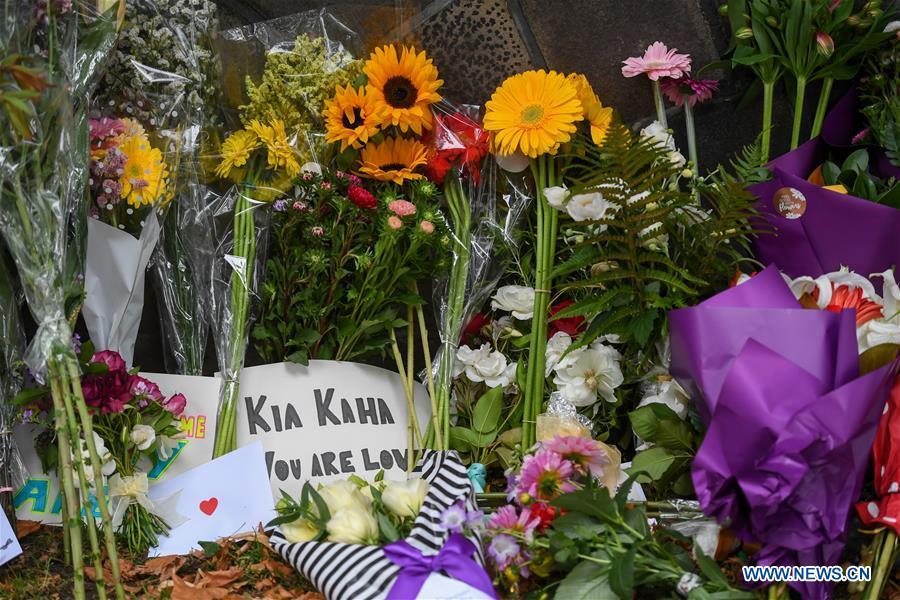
(356, 572)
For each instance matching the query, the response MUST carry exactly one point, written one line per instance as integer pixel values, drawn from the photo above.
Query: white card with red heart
(224, 497)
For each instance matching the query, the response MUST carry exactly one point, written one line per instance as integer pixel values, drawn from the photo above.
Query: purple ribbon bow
(454, 559)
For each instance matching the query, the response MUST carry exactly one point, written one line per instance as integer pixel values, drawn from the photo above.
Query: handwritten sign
(39, 499)
(326, 421)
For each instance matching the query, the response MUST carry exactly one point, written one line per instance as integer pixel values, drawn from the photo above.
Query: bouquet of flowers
(133, 425)
(45, 152)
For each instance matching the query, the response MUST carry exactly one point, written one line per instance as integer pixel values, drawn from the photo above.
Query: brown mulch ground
(242, 567)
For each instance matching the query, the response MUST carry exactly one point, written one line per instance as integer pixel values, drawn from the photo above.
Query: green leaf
(462, 438)
(646, 419)
(210, 549)
(621, 574)
(651, 464)
(709, 568)
(486, 415)
(388, 530)
(587, 581)
(675, 435)
(642, 326)
(877, 356)
(858, 162)
(592, 500)
(301, 357)
(684, 485)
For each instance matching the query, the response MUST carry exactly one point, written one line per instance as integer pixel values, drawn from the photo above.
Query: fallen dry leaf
(217, 578)
(25, 528)
(184, 590)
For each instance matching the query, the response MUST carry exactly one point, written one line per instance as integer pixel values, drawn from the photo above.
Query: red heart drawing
(208, 507)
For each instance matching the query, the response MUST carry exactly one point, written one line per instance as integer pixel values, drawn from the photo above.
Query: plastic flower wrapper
(785, 452)
(818, 230)
(143, 149)
(561, 419)
(440, 543)
(12, 470)
(42, 149)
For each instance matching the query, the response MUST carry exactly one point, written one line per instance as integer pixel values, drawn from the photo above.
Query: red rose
(472, 332)
(361, 197)
(571, 325)
(545, 514)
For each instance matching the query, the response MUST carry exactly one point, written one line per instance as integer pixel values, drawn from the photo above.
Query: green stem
(660, 105)
(882, 564)
(87, 427)
(798, 111)
(691, 136)
(768, 99)
(822, 107)
(435, 428)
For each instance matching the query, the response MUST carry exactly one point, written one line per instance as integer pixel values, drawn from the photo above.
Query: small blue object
(478, 476)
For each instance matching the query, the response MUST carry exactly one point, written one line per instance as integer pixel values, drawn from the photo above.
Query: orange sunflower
(394, 159)
(351, 117)
(404, 86)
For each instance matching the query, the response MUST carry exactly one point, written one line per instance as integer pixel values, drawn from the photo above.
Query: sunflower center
(532, 114)
(352, 123)
(400, 92)
(393, 167)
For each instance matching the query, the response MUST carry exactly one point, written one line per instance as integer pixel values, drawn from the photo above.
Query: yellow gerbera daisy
(403, 86)
(393, 160)
(599, 117)
(281, 155)
(351, 117)
(533, 112)
(236, 151)
(144, 175)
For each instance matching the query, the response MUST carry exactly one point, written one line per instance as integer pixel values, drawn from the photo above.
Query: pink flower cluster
(673, 71)
(558, 466)
(114, 388)
(107, 162)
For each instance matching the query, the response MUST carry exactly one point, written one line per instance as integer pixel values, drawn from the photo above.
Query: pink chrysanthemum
(694, 90)
(658, 61)
(585, 454)
(860, 137)
(402, 208)
(507, 519)
(545, 475)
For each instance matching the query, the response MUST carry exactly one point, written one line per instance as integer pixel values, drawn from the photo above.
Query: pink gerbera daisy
(507, 519)
(694, 90)
(545, 475)
(658, 61)
(585, 454)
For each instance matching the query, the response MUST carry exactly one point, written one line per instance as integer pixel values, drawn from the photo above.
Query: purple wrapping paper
(836, 229)
(790, 421)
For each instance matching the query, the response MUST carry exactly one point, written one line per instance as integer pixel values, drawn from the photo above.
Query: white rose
(556, 196)
(589, 207)
(672, 395)
(405, 498)
(892, 26)
(342, 494)
(556, 347)
(301, 530)
(143, 436)
(661, 138)
(483, 365)
(515, 299)
(594, 371)
(353, 525)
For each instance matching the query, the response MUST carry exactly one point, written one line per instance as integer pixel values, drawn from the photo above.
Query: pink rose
(176, 404)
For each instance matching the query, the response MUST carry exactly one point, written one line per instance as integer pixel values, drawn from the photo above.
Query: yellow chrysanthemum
(236, 151)
(281, 155)
(351, 117)
(144, 175)
(403, 87)
(393, 160)
(533, 112)
(598, 116)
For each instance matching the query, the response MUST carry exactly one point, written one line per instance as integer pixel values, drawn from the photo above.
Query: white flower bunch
(657, 133)
(484, 364)
(586, 374)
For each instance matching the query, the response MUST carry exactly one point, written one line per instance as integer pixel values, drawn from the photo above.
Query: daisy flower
(584, 453)
(545, 475)
(658, 62)
(507, 519)
(687, 88)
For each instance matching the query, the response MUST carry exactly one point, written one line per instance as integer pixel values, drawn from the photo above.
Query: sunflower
(403, 87)
(236, 151)
(281, 155)
(598, 116)
(144, 174)
(351, 117)
(533, 112)
(393, 160)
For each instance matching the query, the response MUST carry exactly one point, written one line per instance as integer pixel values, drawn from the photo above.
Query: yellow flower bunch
(259, 141)
(402, 84)
(535, 112)
(145, 175)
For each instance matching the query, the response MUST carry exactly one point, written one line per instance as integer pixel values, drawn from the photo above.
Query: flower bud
(872, 5)
(875, 13)
(772, 21)
(744, 33)
(723, 10)
(824, 44)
